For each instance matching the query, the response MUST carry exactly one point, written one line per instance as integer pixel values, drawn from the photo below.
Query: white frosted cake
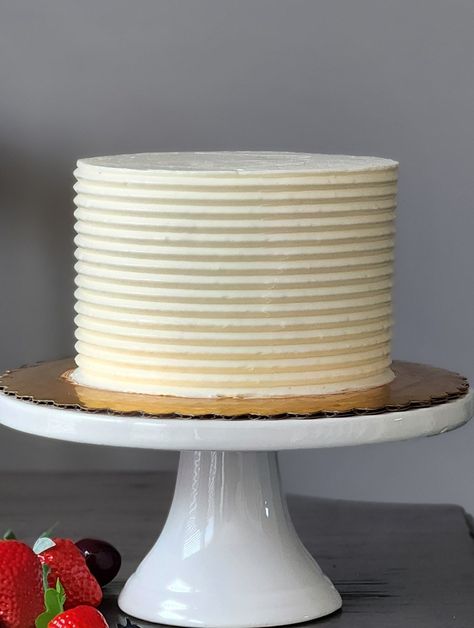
(234, 273)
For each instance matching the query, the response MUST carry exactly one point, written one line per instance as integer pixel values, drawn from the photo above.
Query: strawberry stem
(45, 572)
(49, 532)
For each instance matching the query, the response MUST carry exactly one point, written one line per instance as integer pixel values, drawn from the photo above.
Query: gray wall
(384, 77)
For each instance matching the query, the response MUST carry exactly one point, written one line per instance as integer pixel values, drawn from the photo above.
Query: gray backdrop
(382, 77)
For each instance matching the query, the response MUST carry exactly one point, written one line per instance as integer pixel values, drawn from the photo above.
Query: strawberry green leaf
(9, 536)
(42, 544)
(54, 605)
(60, 591)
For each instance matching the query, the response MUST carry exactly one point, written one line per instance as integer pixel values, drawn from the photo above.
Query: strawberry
(56, 617)
(67, 564)
(79, 617)
(21, 585)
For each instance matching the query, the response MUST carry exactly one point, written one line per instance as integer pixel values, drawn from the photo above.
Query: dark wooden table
(396, 566)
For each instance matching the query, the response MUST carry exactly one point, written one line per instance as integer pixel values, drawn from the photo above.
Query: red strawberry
(21, 585)
(79, 617)
(67, 564)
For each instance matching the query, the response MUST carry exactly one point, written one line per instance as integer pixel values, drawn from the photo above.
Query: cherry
(102, 558)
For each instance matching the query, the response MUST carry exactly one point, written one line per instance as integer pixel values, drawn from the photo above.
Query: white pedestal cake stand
(228, 555)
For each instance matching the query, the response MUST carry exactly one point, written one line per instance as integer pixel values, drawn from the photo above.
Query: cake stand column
(228, 555)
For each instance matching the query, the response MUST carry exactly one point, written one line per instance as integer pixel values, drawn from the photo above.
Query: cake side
(255, 278)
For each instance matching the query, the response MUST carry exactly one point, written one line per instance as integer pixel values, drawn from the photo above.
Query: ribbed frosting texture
(254, 274)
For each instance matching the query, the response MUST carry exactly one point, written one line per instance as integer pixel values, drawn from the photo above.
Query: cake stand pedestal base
(228, 555)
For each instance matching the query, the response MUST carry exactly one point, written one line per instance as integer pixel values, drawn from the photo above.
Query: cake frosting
(234, 273)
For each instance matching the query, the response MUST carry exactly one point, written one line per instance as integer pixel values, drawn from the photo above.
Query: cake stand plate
(228, 555)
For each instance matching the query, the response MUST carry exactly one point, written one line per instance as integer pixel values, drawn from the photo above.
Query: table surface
(409, 566)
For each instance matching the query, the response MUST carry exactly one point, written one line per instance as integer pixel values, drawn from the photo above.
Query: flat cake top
(235, 162)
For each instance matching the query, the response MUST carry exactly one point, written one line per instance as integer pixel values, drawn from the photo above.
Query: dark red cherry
(102, 558)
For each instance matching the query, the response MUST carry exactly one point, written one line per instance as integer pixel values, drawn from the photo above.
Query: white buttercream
(205, 274)
(245, 163)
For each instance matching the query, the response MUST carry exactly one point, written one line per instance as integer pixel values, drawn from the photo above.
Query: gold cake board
(415, 386)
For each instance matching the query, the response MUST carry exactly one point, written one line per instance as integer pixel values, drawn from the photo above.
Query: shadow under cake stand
(228, 555)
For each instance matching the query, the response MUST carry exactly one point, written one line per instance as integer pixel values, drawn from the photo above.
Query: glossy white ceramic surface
(228, 555)
(257, 435)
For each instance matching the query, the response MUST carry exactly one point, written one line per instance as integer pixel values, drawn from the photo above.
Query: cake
(254, 274)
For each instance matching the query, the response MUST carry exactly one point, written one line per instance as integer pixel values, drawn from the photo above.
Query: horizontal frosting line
(208, 180)
(243, 263)
(334, 385)
(120, 257)
(233, 279)
(212, 365)
(325, 346)
(259, 299)
(347, 227)
(202, 290)
(226, 212)
(205, 291)
(224, 303)
(231, 183)
(252, 184)
(223, 309)
(235, 226)
(254, 339)
(230, 180)
(166, 321)
(289, 205)
(173, 250)
(263, 237)
(223, 207)
(172, 198)
(239, 195)
(229, 380)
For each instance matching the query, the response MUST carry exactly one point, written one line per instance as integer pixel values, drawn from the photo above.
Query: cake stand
(228, 555)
